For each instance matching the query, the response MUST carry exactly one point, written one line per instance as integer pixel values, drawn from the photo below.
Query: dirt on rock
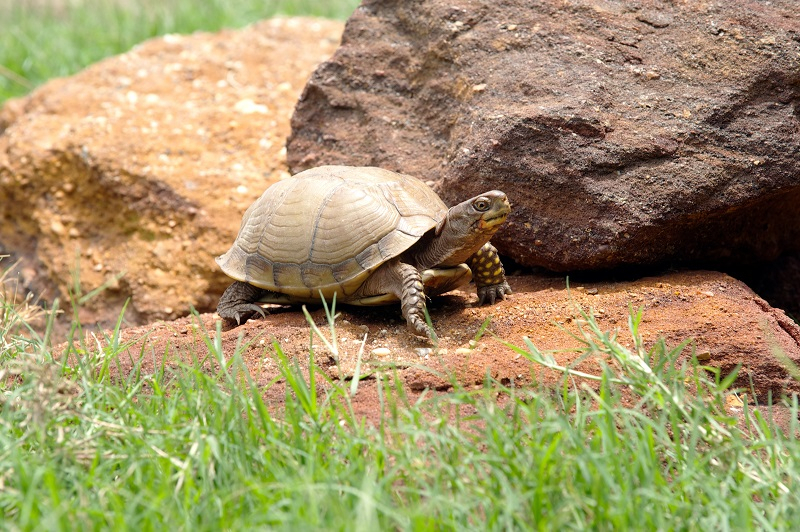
(728, 325)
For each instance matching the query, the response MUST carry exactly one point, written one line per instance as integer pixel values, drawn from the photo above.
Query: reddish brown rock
(142, 165)
(728, 325)
(624, 133)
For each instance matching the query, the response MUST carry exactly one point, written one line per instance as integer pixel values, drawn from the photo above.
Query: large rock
(143, 164)
(624, 133)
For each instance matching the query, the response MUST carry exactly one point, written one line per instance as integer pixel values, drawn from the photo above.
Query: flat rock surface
(727, 323)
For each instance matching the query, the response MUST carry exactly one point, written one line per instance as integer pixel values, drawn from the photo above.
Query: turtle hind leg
(238, 302)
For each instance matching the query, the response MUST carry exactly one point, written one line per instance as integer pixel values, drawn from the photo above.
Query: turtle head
(481, 215)
(465, 229)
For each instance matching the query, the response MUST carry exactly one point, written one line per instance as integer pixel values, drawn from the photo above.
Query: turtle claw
(249, 310)
(242, 312)
(420, 328)
(238, 302)
(493, 293)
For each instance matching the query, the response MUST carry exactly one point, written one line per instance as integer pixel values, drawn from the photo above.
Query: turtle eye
(482, 204)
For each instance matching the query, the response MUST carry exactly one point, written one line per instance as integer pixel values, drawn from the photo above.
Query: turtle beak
(487, 223)
(498, 213)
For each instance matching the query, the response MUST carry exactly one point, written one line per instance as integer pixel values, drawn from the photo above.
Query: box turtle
(368, 235)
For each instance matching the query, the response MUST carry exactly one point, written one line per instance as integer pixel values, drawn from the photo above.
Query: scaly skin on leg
(404, 281)
(238, 302)
(489, 275)
(412, 299)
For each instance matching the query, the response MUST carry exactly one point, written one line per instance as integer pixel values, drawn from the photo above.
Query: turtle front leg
(412, 299)
(404, 281)
(489, 275)
(238, 302)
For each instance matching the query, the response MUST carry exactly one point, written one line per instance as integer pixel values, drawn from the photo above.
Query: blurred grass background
(43, 39)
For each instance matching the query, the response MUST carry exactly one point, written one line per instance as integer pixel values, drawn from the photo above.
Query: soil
(726, 324)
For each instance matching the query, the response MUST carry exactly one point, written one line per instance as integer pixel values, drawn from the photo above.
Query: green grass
(42, 39)
(199, 450)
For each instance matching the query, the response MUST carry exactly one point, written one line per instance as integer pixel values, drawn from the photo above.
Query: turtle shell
(328, 228)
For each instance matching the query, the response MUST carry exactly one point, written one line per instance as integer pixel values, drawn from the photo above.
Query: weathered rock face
(625, 133)
(143, 164)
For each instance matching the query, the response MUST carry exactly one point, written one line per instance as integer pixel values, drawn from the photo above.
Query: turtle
(367, 235)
